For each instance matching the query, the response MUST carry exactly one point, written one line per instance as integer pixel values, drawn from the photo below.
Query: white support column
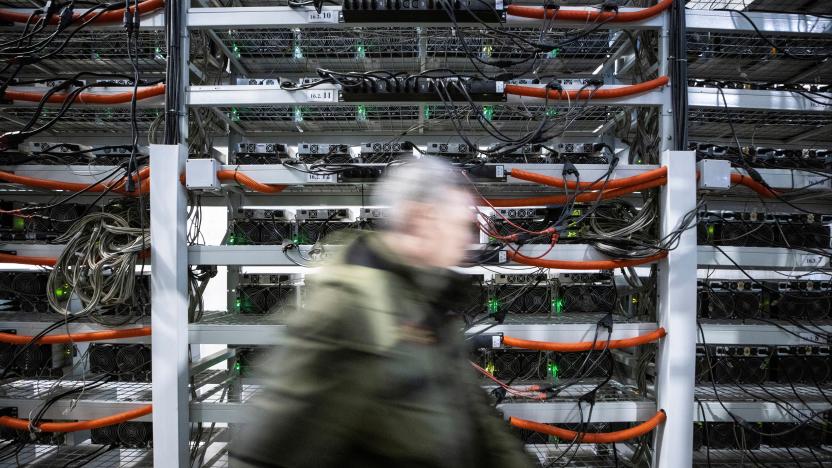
(675, 360)
(169, 316)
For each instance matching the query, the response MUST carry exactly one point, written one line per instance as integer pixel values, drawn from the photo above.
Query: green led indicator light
(571, 234)
(488, 112)
(551, 112)
(427, 112)
(486, 51)
(360, 52)
(577, 212)
(490, 367)
(235, 49)
(232, 240)
(361, 113)
(493, 306)
(234, 115)
(297, 52)
(634, 300)
(62, 291)
(557, 305)
(237, 304)
(711, 231)
(297, 114)
(553, 371)
(19, 224)
(553, 53)
(237, 367)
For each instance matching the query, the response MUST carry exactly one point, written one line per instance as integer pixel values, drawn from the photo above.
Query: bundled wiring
(27, 260)
(98, 266)
(143, 92)
(119, 186)
(584, 264)
(592, 438)
(651, 337)
(118, 418)
(112, 13)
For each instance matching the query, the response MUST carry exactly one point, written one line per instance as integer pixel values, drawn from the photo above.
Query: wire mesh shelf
(39, 389)
(763, 456)
(88, 455)
(768, 392)
(410, 49)
(102, 50)
(721, 55)
(802, 6)
(705, 122)
(398, 119)
(93, 121)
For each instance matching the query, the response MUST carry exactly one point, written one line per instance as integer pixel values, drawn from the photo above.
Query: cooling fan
(274, 232)
(753, 370)
(245, 232)
(107, 435)
(133, 362)
(790, 369)
(102, 359)
(587, 298)
(802, 305)
(537, 300)
(261, 299)
(34, 360)
(135, 434)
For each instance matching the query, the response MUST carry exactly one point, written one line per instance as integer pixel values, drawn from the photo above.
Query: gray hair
(427, 180)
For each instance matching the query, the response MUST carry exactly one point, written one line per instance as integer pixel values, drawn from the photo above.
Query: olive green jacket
(374, 373)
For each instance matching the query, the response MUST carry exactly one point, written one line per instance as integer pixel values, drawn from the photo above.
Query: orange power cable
(117, 186)
(581, 197)
(585, 264)
(111, 16)
(143, 92)
(582, 346)
(113, 419)
(76, 337)
(573, 94)
(592, 437)
(571, 184)
(762, 190)
(589, 15)
(24, 260)
(242, 179)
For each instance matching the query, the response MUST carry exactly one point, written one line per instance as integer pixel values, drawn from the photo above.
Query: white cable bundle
(98, 264)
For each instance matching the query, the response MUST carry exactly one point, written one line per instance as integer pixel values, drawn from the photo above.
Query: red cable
(582, 197)
(585, 264)
(111, 16)
(113, 419)
(582, 346)
(589, 15)
(76, 337)
(592, 437)
(598, 185)
(573, 94)
(143, 92)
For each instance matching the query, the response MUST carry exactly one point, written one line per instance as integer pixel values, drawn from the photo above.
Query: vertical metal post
(169, 305)
(185, 73)
(675, 359)
(666, 109)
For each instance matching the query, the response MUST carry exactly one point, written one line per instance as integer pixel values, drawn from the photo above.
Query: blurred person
(374, 371)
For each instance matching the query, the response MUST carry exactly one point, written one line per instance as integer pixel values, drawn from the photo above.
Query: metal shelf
(102, 50)
(252, 329)
(755, 402)
(759, 333)
(269, 17)
(756, 99)
(764, 456)
(760, 257)
(53, 456)
(698, 19)
(32, 323)
(28, 395)
(80, 121)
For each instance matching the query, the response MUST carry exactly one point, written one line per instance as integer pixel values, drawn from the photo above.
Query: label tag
(500, 171)
(810, 337)
(500, 86)
(327, 16)
(321, 178)
(495, 341)
(812, 260)
(320, 95)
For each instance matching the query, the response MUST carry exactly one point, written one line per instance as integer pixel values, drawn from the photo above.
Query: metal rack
(264, 39)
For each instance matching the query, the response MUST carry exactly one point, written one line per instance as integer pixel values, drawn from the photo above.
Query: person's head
(430, 220)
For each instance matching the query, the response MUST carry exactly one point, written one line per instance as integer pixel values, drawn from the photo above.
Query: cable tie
(609, 5)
